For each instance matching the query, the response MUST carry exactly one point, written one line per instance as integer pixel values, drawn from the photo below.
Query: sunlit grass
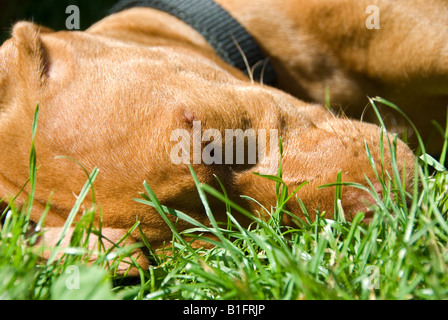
(401, 254)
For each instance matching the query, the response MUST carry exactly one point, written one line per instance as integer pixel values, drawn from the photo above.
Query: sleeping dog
(158, 86)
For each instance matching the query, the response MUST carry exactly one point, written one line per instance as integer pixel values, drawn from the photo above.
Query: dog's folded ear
(24, 65)
(29, 51)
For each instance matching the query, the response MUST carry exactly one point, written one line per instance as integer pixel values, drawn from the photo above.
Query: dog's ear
(24, 65)
(25, 55)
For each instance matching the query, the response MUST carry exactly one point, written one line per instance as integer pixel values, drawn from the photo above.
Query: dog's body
(112, 96)
(319, 43)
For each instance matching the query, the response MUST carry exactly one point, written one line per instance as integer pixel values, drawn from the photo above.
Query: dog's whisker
(255, 66)
(355, 129)
(336, 134)
(263, 69)
(243, 55)
(364, 111)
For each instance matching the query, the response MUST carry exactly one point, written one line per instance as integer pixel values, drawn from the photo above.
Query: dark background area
(50, 13)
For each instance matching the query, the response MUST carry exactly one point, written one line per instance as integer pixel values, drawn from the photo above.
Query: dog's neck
(229, 39)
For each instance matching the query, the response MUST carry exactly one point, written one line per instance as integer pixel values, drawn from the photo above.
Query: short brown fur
(111, 96)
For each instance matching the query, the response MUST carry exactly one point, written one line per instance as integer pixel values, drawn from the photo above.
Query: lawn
(401, 254)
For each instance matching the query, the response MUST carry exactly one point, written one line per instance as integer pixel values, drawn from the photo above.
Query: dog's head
(115, 105)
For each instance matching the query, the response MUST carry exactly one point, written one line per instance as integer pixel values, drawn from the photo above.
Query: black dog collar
(219, 28)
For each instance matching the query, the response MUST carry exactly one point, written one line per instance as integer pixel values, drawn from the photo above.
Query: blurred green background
(50, 13)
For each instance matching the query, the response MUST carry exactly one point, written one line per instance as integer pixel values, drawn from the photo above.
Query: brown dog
(112, 97)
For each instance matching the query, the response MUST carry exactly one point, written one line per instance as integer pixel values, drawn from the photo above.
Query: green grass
(401, 254)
